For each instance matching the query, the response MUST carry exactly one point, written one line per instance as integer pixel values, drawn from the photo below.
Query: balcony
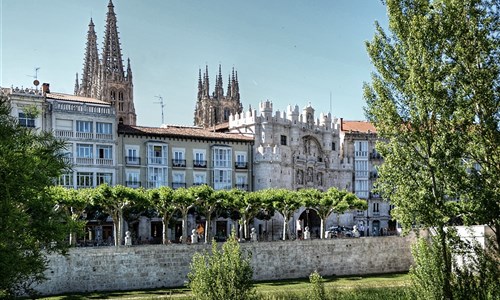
(156, 184)
(132, 161)
(157, 161)
(84, 135)
(374, 196)
(373, 175)
(68, 160)
(241, 186)
(375, 155)
(178, 163)
(104, 136)
(360, 153)
(376, 214)
(63, 133)
(241, 165)
(199, 164)
(199, 183)
(178, 185)
(104, 161)
(133, 184)
(84, 161)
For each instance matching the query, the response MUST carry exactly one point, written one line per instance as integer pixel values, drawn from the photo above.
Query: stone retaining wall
(156, 266)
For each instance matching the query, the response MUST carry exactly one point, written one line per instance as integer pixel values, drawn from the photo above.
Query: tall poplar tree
(436, 80)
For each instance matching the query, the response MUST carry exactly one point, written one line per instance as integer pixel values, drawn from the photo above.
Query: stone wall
(156, 266)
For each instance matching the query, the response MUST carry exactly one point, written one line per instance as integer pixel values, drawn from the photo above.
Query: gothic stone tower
(106, 79)
(215, 109)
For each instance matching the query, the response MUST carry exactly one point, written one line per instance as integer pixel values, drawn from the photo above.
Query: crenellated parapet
(291, 117)
(22, 91)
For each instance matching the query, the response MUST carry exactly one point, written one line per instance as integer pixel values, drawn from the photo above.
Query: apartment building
(183, 156)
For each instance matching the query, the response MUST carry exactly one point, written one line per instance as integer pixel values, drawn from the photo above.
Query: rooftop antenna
(330, 102)
(35, 82)
(162, 106)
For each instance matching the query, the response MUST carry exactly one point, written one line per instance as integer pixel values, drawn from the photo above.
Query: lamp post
(367, 218)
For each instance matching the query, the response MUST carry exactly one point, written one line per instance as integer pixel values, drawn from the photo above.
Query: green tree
(225, 274)
(421, 101)
(207, 201)
(162, 200)
(286, 203)
(113, 200)
(333, 200)
(184, 201)
(73, 202)
(31, 224)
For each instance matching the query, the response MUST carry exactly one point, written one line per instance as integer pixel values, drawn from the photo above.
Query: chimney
(45, 88)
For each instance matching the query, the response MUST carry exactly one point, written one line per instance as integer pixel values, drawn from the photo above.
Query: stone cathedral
(215, 109)
(105, 78)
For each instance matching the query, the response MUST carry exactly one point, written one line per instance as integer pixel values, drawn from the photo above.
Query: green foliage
(31, 224)
(427, 272)
(225, 274)
(318, 287)
(434, 100)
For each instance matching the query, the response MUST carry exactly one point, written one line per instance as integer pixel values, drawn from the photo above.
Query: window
(361, 149)
(66, 180)
(222, 157)
(85, 179)
(178, 180)
(157, 154)
(283, 140)
(241, 182)
(375, 207)
(132, 179)
(227, 113)
(84, 150)
(178, 160)
(241, 160)
(132, 157)
(157, 177)
(104, 128)
(361, 188)
(333, 146)
(222, 179)
(361, 168)
(199, 159)
(199, 178)
(104, 151)
(84, 126)
(26, 120)
(104, 178)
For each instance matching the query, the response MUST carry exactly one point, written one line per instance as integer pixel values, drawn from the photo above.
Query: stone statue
(355, 231)
(307, 233)
(299, 177)
(253, 235)
(194, 236)
(128, 238)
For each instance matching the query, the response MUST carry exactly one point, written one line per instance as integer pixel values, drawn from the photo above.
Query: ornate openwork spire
(90, 64)
(219, 90)
(200, 86)
(111, 52)
(129, 70)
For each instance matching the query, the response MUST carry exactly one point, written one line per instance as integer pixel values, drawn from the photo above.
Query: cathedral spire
(77, 85)
(90, 64)
(111, 52)
(228, 95)
(200, 86)
(129, 71)
(219, 90)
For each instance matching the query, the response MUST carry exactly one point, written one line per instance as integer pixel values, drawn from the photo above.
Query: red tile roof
(182, 132)
(358, 126)
(66, 97)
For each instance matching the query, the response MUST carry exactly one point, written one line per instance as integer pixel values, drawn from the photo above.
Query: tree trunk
(447, 265)
(120, 227)
(115, 229)
(165, 221)
(322, 228)
(285, 228)
(184, 227)
(72, 238)
(207, 227)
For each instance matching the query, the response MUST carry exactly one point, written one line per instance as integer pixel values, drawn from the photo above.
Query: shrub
(225, 274)
(318, 287)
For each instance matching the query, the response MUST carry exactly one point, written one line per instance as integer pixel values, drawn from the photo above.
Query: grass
(387, 286)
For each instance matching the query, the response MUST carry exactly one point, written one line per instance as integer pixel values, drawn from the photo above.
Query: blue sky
(286, 51)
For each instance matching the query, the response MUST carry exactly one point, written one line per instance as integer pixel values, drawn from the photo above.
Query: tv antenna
(35, 82)
(162, 106)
